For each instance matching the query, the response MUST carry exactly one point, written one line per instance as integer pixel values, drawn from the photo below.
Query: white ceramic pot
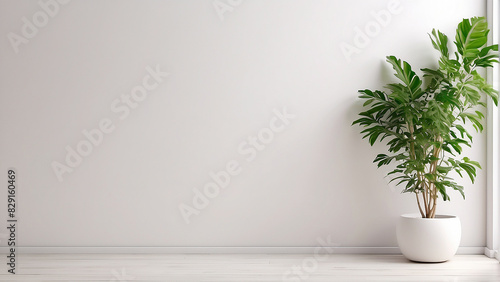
(428, 239)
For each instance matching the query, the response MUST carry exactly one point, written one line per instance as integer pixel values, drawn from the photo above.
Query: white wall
(227, 75)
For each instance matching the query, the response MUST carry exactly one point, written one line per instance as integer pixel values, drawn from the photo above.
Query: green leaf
(471, 171)
(363, 121)
(368, 102)
(395, 171)
(431, 177)
(443, 170)
(440, 42)
(474, 163)
(434, 73)
(474, 119)
(406, 75)
(442, 191)
(487, 56)
(472, 34)
(463, 132)
(374, 110)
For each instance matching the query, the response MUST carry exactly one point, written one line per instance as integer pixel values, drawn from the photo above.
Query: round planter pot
(428, 239)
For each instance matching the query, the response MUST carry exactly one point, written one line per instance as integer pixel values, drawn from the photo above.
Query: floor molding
(220, 250)
(491, 253)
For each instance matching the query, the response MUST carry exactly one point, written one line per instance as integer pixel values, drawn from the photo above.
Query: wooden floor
(246, 267)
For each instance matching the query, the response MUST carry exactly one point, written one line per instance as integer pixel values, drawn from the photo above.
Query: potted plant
(425, 124)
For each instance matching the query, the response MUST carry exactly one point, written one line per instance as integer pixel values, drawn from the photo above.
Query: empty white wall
(229, 72)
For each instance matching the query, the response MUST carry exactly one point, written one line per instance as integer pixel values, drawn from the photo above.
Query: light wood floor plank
(246, 267)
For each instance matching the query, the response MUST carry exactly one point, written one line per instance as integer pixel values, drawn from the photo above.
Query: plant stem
(432, 186)
(421, 179)
(419, 207)
(424, 195)
(433, 212)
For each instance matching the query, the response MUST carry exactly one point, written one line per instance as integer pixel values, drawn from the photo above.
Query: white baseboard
(491, 253)
(470, 251)
(220, 250)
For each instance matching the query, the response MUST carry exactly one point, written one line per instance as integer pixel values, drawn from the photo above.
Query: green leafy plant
(424, 122)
